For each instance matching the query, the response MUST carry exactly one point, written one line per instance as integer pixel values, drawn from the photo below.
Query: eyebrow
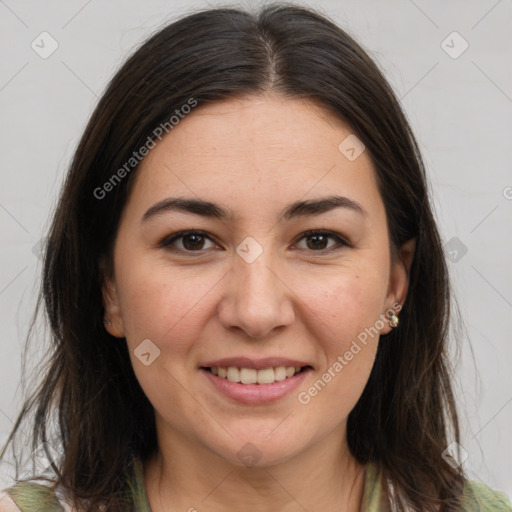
(212, 210)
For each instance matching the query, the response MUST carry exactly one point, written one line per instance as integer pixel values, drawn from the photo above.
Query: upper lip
(257, 364)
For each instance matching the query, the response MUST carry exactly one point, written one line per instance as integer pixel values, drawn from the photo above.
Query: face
(242, 284)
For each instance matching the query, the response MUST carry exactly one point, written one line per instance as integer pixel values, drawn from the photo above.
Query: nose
(257, 299)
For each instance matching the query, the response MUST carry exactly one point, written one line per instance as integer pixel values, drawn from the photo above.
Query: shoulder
(31, 497)
(7, 504)
(479, 497)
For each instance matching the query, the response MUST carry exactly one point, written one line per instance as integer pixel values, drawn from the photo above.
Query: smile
(255, 387)
(253, 376)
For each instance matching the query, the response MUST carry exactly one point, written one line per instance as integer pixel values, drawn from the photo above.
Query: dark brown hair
(406, 415)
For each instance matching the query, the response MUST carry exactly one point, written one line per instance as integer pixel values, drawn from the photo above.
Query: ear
(113, 319)
(399, 280)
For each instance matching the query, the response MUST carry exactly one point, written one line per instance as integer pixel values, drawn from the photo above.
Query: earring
(107, 322)
(393, 321)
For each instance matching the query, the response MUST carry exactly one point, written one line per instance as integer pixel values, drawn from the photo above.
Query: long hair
(406, 415)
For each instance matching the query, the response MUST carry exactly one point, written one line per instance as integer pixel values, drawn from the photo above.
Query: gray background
(460, 109)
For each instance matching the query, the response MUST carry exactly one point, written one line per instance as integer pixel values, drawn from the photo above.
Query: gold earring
(393, 321)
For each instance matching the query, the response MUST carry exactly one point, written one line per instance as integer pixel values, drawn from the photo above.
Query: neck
(191, 478)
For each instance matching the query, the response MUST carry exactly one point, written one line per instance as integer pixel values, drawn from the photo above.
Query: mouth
(253, 376)
(255, 381)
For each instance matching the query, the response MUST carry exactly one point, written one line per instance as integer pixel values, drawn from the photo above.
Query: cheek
(346, 303)
(347, 314)
(171, 311)
(165, 307)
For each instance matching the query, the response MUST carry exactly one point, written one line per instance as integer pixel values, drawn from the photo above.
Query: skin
(254, 155)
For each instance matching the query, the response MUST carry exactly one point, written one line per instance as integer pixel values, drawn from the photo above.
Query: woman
(246, 288)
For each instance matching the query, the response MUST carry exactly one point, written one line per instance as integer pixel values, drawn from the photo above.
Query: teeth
(248, 376)
(280, 373)
(233, 374)
(252, 376)
(266, 376)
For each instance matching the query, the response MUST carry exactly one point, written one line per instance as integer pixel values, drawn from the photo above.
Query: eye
(194, 241)
(319, 238)
(191, 241)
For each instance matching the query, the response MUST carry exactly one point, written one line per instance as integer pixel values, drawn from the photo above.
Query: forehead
(259, 128)
(267, 148)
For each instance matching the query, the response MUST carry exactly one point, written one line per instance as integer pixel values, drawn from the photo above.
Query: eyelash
(168, 241)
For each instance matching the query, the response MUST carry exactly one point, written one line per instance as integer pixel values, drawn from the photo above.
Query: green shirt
(33, 497)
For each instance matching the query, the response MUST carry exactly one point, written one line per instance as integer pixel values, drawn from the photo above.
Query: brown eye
(317, 240)
(194, 241)
(186, 241)
(191, 242)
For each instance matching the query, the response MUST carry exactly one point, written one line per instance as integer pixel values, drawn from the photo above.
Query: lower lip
(256, 393)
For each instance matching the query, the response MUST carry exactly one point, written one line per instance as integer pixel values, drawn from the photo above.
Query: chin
(260, 451)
